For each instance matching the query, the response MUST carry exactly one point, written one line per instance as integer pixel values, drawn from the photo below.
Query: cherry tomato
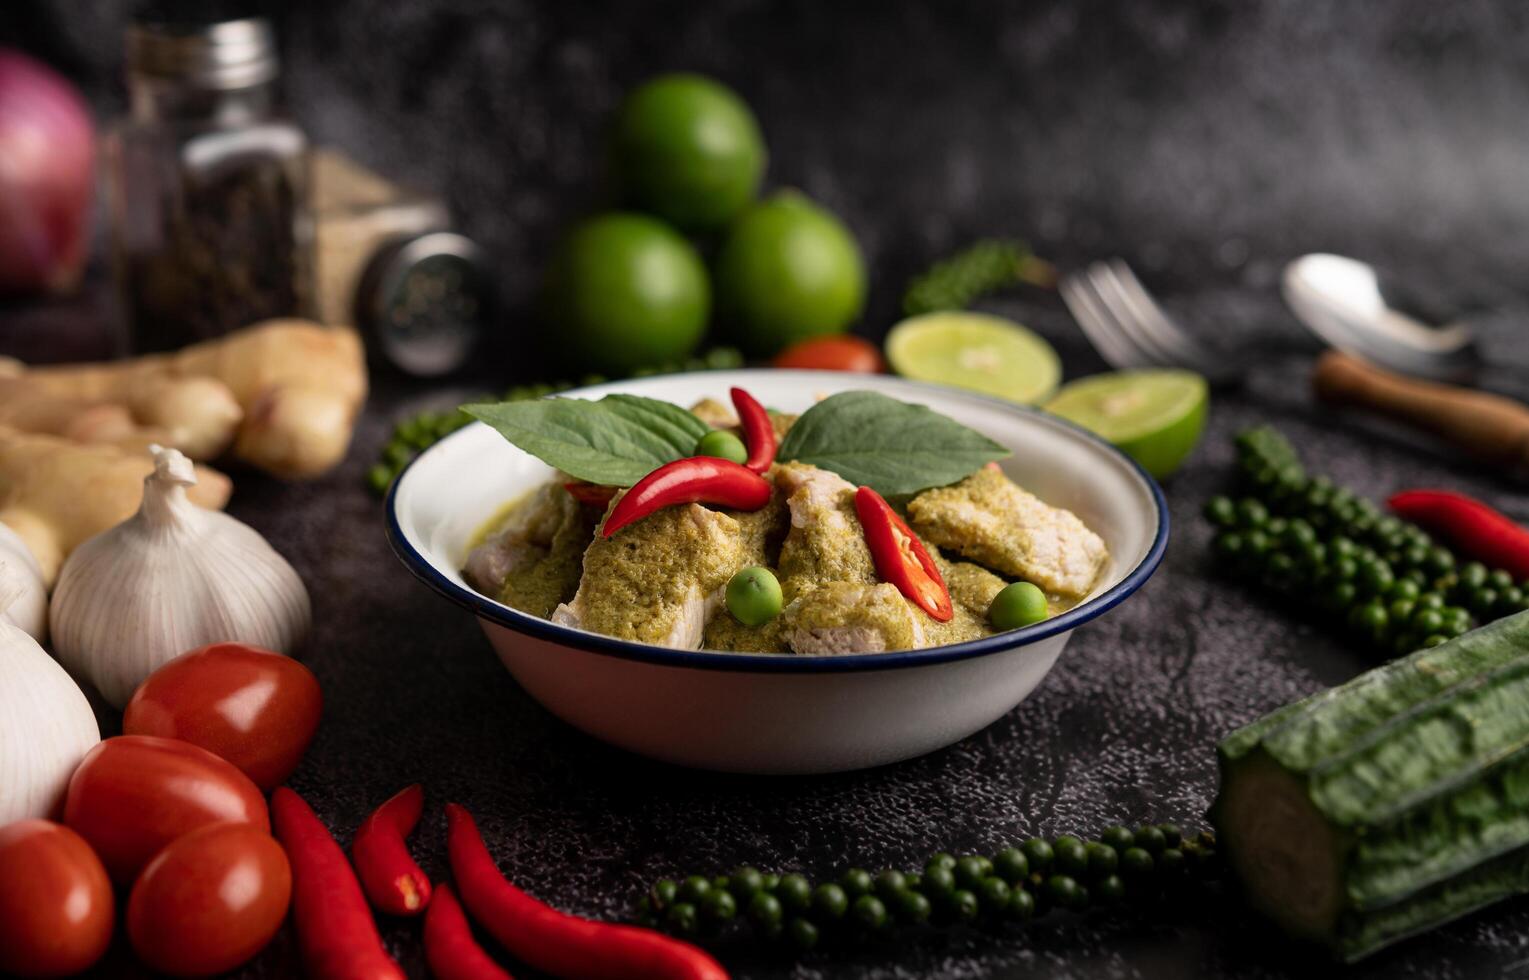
(255, 708)
(55, 901)
(134, 794)
(843, 353)
(209, 901)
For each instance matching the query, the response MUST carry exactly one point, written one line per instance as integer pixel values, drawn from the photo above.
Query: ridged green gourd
(1391, 804)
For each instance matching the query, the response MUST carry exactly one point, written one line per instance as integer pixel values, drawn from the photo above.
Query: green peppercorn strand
(1264, 451)
(1384, 581)
(1017, 884)
(1389, 599)
(415, 434)
(984, 267)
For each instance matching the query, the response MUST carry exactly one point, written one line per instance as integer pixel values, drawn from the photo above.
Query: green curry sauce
(552, 578)
(661, 578)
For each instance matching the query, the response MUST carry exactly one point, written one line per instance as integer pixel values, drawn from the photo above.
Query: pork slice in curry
(989, 519)
(534, 560)
(834, 601)
(659, 580)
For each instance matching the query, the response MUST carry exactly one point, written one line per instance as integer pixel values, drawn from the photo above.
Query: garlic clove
(46, 724)
(29, 608)
(171, 578)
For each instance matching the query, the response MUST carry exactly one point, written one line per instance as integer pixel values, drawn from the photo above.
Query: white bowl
(780, 713)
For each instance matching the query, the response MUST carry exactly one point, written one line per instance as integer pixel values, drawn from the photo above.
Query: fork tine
(1219, 366)
(1153, 322)
(1133, 314)
(1107, 292)
(1098, 324)
(1126, 351)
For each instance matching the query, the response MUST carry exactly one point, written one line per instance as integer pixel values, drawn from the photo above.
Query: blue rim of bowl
(793, 663)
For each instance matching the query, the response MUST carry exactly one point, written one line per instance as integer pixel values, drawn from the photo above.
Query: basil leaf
(677, 426)
(891, 446)
(615, 441)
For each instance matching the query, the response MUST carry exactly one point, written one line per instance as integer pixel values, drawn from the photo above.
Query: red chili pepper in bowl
(695, 480)
(335, 930)
(389, 876)
(554, 942)
(592, 494)
(758, 430)
(1475, 529)
(900, 556)
(450, 949)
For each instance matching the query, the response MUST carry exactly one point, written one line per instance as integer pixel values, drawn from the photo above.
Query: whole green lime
(787, 270)
(688, 149)
(623, 291)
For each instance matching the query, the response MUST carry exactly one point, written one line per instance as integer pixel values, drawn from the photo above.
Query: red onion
(47, 157)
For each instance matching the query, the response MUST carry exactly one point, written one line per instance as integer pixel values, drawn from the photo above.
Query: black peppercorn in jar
(207, 186)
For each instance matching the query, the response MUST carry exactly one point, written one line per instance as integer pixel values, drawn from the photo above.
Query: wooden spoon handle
(1490, 428)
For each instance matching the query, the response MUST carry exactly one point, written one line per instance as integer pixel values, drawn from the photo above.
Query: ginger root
(285, 393)
(198, 416)
(30, 407)
(27, 407)
(55, 493)
(301, 386)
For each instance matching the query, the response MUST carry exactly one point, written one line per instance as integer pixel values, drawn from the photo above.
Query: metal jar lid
(228, 54)
(424, 301)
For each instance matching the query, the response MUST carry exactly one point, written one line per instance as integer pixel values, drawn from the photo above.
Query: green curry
(660, 579)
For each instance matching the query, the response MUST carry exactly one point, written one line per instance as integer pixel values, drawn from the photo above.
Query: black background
(1205, 142)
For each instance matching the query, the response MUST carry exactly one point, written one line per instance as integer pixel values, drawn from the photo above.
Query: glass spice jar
(207, 186)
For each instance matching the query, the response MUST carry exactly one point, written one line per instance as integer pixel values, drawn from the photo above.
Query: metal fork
(1129, 330)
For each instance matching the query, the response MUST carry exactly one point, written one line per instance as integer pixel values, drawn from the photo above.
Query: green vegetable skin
(1392, 804)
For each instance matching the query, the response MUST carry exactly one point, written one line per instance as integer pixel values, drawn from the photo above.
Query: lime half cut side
(976, 351)
(1155, 416)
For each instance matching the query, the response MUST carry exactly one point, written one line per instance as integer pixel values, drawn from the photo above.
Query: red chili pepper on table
(900, 556)
(335, 929)
(590, 493)
(758, 430)
(556, 943)
(1472, 527)
(389, 876)
(450, 949)
(696, 480)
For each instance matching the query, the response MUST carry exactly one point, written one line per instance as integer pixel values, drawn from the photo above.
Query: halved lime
(1155, 416)
(977, 351)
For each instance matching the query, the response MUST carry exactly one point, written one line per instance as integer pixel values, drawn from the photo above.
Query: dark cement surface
(1206, 142)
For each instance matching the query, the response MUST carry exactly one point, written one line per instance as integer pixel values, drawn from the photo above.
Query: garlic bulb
(46, 725)
(171, 578)
(29, 608)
